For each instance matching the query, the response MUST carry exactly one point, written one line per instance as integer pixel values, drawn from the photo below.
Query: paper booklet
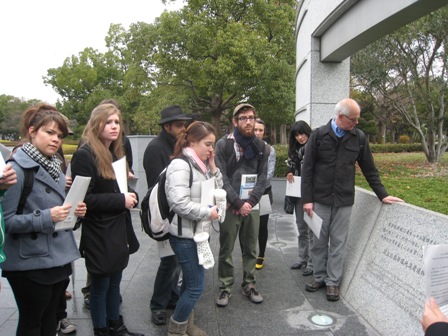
(248, 182)
(132, 183)
(76, 194)
(435, 263)
(121, 175)
(2, 165)
(68, 172)
(164, 248)
(265, 205)
(315, 223)
(208, 192)
(293, 189)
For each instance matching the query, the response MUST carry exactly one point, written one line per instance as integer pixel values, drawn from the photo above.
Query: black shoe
(171, 305)
(158, 317)
(307, 271)
(101, 332)
(117, 328)
(298, 265)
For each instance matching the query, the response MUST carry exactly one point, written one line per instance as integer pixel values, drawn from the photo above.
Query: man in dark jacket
(155, 160)
(247, 155)
(328, 189)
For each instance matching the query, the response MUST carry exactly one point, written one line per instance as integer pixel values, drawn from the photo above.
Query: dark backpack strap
(261, 145)
(27, 187)
(320, 135)
(362, 141)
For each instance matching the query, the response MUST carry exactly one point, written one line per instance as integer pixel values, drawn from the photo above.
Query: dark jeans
(37, 306)
(166, 289)
(86, 290)
(105, 299)
(192, 276)
(263, 235)
(62, 305)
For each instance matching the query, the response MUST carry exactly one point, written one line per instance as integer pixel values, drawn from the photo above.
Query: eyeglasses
(353, 120)
(245, 119)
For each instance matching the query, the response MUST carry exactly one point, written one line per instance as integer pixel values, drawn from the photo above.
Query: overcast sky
(36, 35)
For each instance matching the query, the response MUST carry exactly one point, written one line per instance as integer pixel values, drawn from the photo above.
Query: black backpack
(155, 219)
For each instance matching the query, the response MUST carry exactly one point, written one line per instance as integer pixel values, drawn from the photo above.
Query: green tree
(206, 57)
(407, 71)
(224, 52)
(11, 109)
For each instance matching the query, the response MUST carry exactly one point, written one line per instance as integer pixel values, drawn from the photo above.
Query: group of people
(37, 258)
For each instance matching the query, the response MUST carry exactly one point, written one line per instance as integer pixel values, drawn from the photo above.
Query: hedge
(282, 153)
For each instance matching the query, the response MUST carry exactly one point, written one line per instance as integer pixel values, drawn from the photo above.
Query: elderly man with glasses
(328, 190)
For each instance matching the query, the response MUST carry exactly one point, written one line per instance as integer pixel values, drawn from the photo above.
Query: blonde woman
(104, 238)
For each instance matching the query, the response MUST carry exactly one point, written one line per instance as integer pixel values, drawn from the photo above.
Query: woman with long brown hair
(104, 238)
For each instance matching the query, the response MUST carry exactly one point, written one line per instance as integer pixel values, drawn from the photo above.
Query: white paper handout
(68, 172)
(164, 248)
(76, 194)
(248, 182)
(2, 165)
(121, 174)
(315, 223)
(265, 205)
(435, 262)
(294, 189)
(208, 192)
(133, 183)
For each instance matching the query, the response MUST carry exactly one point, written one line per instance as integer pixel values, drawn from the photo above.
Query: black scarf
(248, 144)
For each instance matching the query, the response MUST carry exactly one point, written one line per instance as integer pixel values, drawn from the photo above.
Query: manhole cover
(322, 320)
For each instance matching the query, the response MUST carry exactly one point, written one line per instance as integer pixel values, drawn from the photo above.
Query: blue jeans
(166, 289)
(193, 276)
(105, 299)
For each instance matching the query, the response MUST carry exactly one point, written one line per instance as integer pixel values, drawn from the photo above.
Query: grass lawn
(410, 177)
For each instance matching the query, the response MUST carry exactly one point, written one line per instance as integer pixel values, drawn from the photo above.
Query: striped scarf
(51, 165)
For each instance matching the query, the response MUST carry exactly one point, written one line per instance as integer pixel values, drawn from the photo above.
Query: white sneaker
(65, 326)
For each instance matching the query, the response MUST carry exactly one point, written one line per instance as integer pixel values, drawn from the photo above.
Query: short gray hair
(344, 107)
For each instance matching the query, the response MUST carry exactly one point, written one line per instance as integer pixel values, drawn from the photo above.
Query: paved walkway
(286, 309)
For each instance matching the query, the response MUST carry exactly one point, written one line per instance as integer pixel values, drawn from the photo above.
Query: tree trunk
(273, 135)
(216, 122)
(382, 133)
(283, 134)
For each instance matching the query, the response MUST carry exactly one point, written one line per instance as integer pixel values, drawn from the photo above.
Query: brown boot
(176, 328)
(192, 329)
